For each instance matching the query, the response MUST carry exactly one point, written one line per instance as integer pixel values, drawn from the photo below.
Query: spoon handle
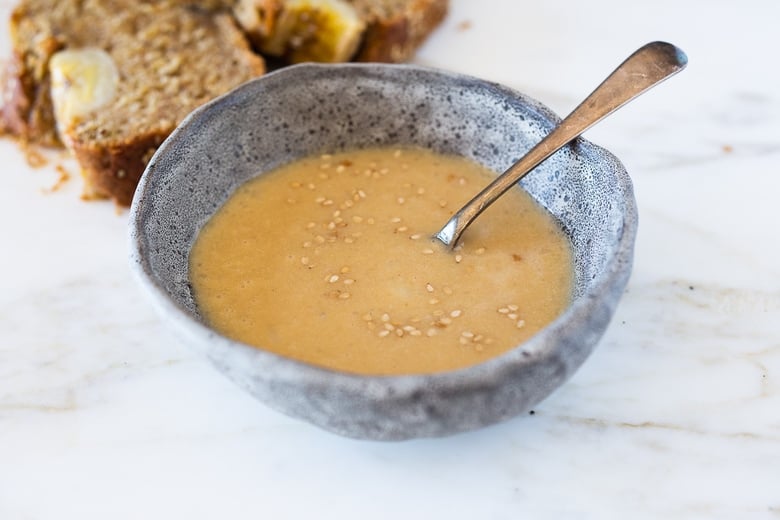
(645, 68)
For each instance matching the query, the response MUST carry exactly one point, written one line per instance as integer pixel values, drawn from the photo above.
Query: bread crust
(113, 170)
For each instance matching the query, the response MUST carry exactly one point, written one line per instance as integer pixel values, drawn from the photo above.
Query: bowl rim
(615, 273)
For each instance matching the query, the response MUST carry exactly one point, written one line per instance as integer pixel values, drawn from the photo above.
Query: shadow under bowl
(310, 109)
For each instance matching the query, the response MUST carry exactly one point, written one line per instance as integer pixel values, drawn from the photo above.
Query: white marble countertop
(104, 414)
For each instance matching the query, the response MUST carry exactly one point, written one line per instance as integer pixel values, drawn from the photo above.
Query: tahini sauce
(329, 260)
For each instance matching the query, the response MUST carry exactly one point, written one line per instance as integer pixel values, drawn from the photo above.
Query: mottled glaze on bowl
(310, 109)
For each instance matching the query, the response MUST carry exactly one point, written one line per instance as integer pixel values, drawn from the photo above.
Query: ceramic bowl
(309, 109)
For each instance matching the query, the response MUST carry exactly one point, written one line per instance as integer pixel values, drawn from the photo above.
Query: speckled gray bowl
(309, 109)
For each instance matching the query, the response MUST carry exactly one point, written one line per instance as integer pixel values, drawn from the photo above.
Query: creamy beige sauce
(329, 260)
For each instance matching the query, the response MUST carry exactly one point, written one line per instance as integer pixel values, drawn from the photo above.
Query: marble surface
(104, 414)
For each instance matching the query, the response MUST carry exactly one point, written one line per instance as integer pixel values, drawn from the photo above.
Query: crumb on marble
(63, 176)
(465, 25)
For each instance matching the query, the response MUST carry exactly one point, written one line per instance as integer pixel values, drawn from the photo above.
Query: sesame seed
(395, 220)
(319, 200)
(319, 239)
(503, 310)
(458, 258)
(401, 229)
(420, 191)
(445, 321)
(480, 250)
(344, 296)
(416, 236)
(333, 278)
(397, 154)
(307, 244)
(361, 194)
(399, 333)
(344, 269)
(337, 213)
(327, 202)
(357, 219)
(331, 225)
(429, 287)
(349, 281)
(311, 186)
(401, 200)
(512, 316)
(431, 332)
(513, 307)
(438, 312)
(455, 313)
(462, 181)
(408, 328)
(349, 240)
(310, 225)
(295, 184)
(347, 204)
(478, 338)
(433, 301)
(415, 332)
(340, 168)
(389, 326)
(383, 333)
(427, 251)
(442, 203)
(463, 341)
(467, 334)
(520, 324)
(385, 317)
(304, 260)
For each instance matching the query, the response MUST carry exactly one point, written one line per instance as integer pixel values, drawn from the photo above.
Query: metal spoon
(647, 67)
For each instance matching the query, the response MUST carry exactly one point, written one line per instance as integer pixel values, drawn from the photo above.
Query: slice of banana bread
(112, 78)
(339, 30)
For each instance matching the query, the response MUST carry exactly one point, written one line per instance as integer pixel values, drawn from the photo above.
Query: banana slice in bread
(308, 30)
(82, 81)
(339, 30)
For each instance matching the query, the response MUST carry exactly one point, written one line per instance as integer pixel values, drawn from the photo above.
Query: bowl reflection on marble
(309, 109)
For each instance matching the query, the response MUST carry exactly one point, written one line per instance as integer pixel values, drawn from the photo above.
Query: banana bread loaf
(111, 79)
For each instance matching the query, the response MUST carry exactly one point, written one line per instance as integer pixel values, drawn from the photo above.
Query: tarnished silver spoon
(644, 69)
